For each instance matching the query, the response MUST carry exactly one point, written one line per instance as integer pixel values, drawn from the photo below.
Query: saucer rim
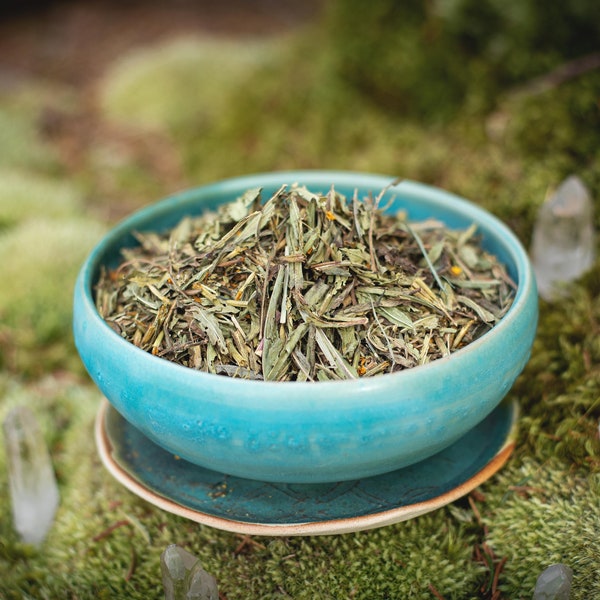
(329, 527)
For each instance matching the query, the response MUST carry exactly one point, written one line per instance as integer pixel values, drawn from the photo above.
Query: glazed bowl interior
(308, 432)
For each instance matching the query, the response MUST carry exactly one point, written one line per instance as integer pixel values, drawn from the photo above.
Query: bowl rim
(236, 185)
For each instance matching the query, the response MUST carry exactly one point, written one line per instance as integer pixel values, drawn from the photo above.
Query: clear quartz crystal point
(563, 237)
(33, 488)
(554, 583)
(184, 578)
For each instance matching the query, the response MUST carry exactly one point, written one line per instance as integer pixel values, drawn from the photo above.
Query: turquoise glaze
(258, 508)
(308, 432)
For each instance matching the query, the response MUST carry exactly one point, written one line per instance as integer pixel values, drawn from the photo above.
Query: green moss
(548, 514)
(398, 54)
(20, 143)
(26, 195)
(192, 79)
(25, 105)
(427, 59)
(560, 387)
(563, 123)
(39, 261)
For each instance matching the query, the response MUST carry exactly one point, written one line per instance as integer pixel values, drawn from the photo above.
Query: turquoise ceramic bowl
(312, 431)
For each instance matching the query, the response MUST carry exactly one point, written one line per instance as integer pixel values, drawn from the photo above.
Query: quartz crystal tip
(554, 583)
(184, 578)
(33, 488)
(562, 246)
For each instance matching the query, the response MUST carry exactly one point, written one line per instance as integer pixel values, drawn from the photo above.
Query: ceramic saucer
(258, 508)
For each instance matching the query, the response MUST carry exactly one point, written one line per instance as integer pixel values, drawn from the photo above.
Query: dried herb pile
(304, 287)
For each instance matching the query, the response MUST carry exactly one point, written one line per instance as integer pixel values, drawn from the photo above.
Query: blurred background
(108, 106)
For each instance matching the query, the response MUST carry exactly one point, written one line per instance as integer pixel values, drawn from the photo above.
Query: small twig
(526, 490)
(435, 592)
(488, 551)
(110, 529)
(288, 556)
(475, 510)
(478, 495)
(498, 120)
(132, 565)
(246, 542)
(497, 572)
(558, 76)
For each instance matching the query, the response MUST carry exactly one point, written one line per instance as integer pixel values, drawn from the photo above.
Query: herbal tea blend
(304, 287)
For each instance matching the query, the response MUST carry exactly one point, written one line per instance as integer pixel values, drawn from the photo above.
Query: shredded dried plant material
(304, 287)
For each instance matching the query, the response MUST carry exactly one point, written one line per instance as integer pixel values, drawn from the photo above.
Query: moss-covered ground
(77, 154)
